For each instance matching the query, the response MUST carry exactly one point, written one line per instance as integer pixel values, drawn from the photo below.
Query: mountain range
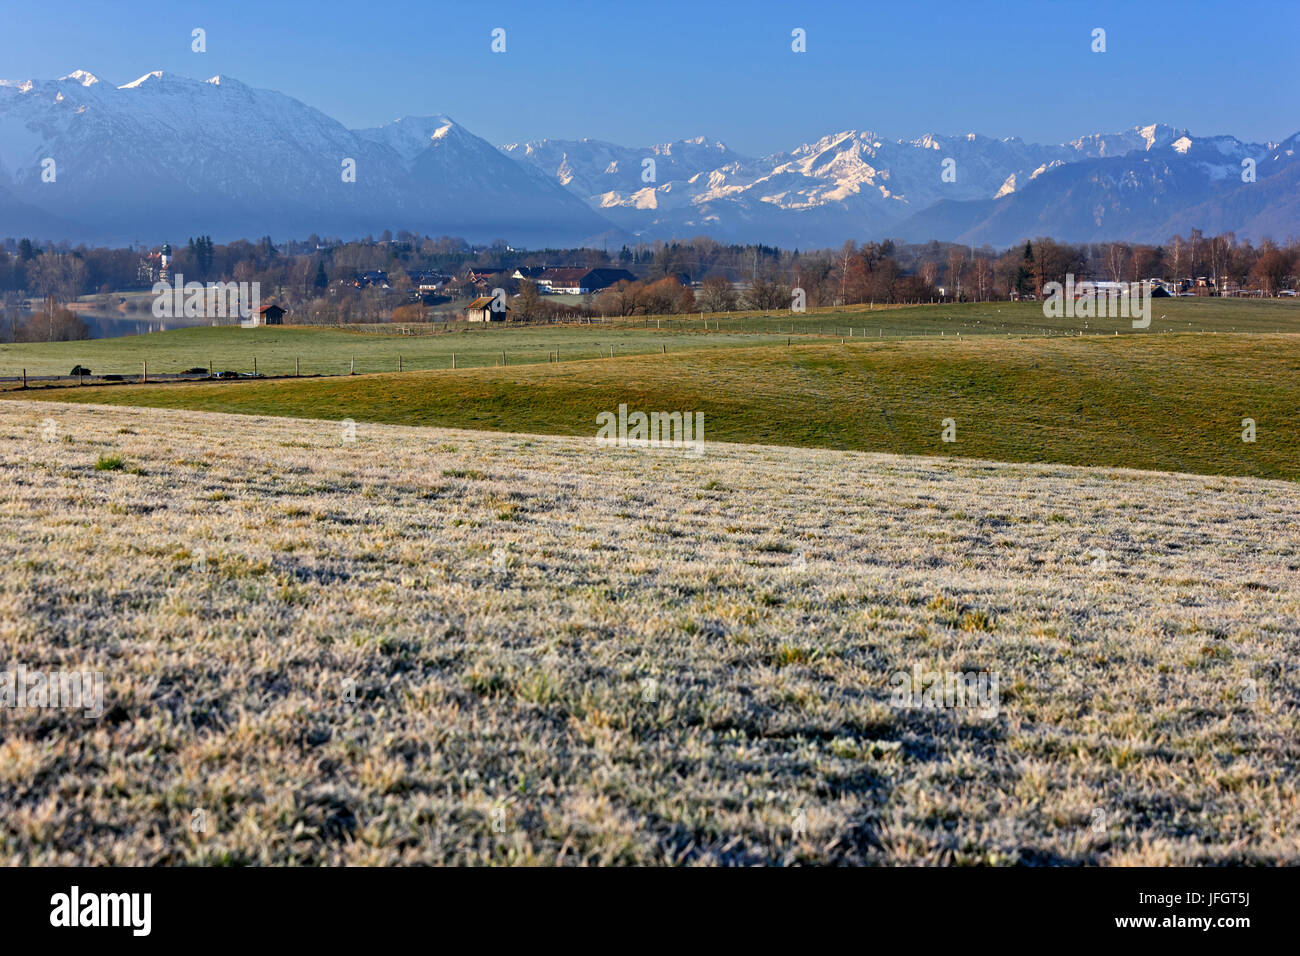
(166, 155)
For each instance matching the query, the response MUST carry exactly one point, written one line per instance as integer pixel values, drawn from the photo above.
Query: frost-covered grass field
(460, 647)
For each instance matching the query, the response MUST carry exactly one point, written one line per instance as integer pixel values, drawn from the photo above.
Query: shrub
(79, 370)
(109, 463)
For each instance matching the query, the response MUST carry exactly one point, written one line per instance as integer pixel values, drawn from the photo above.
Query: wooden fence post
(453, 360)
(254, 366)
(352, 367)
(144, 371)
(399, 361)
(297, 370)
(24, 378)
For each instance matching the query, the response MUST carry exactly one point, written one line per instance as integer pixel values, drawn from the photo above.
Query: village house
(581, 281)
(563, 281)
(428, 282)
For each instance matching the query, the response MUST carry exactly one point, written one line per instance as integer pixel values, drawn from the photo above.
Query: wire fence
(494, 345)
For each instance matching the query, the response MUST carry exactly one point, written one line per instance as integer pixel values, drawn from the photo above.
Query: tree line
(317, 278)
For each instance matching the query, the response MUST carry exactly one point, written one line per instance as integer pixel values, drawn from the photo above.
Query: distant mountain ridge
(1135, 184)
(171, 156)
(166, 155)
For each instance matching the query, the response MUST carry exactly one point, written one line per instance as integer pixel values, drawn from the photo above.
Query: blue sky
(643, 72)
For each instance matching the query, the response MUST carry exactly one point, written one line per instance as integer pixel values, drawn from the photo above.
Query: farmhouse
(480, 310)
(426, 283)
(266, 315)
(581, 281)
(563, 281)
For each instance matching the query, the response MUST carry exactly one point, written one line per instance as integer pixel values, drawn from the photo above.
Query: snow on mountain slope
(590, 167)
(1139, 196)
(165, 155)
(855, 183)
(465, 178)
(170, 155)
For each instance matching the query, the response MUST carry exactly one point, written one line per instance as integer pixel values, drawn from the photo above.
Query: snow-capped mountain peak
(137, 83)
(411, 135)
(81, 77)
(852, 182)
(172, 155)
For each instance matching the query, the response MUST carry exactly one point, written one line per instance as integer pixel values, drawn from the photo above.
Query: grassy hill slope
(1168, 402)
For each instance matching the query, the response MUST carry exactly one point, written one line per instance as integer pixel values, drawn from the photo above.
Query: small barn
(266, 315)
(480, 310)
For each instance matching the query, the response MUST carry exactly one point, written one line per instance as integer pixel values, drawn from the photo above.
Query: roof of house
(622, 275)
(483, 302)
(268, 308)
(565, 276)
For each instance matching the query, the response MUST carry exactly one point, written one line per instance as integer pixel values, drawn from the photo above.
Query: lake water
(110, 325)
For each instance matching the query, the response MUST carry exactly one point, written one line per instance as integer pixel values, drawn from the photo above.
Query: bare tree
(983, 278)
(929, 272)
(717, 295)
(956, 259)
(1177, 258)
(1271, 270)
(1220, 254)
(1116, 257)
(847, 253)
